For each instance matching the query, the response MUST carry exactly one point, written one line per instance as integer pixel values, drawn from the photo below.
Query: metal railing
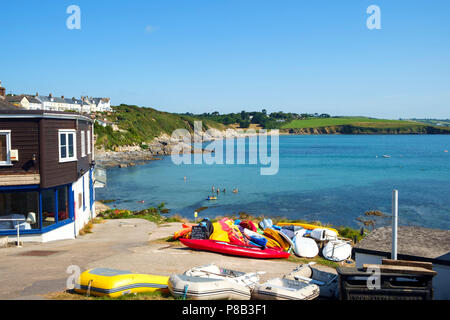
(18, 229)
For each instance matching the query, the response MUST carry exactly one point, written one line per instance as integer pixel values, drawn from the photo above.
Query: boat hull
(235, 250)
(114, 283)
(198, 288)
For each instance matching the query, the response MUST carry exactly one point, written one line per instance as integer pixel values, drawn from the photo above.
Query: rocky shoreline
(129, 156)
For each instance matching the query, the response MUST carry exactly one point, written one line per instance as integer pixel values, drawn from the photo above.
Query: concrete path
(132, 244)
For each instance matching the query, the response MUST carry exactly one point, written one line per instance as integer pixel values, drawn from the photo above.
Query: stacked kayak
(234, 249)
(114, 283)
(265, 239)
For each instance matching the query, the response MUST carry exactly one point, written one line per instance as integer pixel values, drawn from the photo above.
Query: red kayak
(234, 249)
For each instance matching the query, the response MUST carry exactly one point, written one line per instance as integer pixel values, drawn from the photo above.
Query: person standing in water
(213, 189)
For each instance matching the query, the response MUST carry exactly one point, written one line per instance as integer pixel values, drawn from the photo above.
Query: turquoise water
(331, 178)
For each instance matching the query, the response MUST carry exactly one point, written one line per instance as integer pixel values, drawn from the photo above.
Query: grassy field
(354, 121)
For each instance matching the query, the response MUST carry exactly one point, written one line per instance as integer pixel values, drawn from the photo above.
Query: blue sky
(230, 55)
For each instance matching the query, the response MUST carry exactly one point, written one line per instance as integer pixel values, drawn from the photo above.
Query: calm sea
(331, 178)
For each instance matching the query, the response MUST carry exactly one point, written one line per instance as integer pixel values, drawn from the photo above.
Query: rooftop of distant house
(5, 105)
(413, 242)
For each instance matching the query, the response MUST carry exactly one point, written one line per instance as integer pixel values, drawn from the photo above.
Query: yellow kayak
(305, 225)
(114, 283)
(276, 240)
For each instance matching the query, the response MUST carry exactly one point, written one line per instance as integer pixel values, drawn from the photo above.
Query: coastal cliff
(353, 129)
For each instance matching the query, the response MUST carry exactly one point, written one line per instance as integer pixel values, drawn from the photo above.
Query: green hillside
(138, 126)
(355, 121)
(361, 125)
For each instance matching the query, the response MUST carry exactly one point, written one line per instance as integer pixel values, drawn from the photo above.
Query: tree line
(267, 120)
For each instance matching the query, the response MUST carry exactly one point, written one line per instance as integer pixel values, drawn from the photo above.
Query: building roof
(15, 98)
(15, 112)
(32, 99)
(413, 242)
(5, 105)
(58, 100)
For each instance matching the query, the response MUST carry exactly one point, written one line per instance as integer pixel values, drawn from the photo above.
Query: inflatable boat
(322, 234)
(234, 249)
(114, 283)
(337, 250)
(199, 288)
(214, 272)
(305, 247)
(306, 226)
(285, 289)
(327, 282)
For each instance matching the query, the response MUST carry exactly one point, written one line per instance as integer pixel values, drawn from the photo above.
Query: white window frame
(67, 132)
(8, 162)
(88, 137)
(83, 144)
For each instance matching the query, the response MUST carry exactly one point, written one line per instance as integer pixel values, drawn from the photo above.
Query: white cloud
(150, 29)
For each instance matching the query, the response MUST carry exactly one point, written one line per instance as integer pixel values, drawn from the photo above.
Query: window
(83, 144)
(5, 147)
(88, 135)
(48, 207)
(19, 210)
(67, 145)
(63, 203)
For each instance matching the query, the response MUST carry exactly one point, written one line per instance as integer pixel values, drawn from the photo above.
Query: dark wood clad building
(47, 160)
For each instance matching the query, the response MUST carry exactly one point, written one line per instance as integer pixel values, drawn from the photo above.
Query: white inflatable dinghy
(285, 289)
(327, 282)
(214, 272)
(305, 247)
(337, 250)
(198, 288)
(210, 282)
(321, 234)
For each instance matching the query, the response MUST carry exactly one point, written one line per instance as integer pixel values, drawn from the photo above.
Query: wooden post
(394, 224)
